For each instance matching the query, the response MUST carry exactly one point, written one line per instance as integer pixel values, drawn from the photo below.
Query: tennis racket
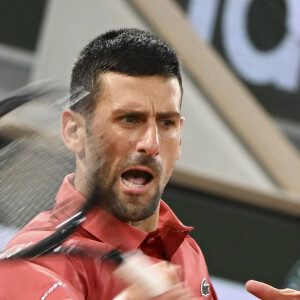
(47, 96)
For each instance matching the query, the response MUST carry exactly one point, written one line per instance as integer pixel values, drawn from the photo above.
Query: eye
(130, 119)
(167, 123)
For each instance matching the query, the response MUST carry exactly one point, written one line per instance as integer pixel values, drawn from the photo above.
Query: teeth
(130, 184)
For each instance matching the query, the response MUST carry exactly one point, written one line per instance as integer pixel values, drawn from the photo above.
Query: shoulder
(193, 245)
(36, 230)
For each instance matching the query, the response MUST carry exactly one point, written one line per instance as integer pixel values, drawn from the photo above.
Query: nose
(148, 143)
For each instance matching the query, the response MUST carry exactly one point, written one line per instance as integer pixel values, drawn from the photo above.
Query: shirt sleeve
(28, 281)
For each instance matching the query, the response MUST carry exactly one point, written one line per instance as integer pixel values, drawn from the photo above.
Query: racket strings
(34, 162)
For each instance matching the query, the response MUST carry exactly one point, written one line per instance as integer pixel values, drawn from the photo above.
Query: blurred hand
(176, 292)
(266, 292)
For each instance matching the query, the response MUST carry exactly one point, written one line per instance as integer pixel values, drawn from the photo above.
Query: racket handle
(137, 268)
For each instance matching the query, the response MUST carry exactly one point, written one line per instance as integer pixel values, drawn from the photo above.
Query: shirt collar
(106, 228)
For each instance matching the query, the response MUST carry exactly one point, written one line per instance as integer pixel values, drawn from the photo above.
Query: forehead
(139, 92)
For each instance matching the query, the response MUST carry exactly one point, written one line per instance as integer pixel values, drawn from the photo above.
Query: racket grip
(137, 268)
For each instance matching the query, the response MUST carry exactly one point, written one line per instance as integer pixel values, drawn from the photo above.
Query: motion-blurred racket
(31, 152)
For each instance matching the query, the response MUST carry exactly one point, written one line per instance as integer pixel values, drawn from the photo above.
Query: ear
(182, 119)
(73, 131)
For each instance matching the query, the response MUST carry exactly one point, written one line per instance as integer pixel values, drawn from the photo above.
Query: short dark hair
(128, 51)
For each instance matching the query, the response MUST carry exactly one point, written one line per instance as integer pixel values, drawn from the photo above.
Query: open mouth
(135, 178)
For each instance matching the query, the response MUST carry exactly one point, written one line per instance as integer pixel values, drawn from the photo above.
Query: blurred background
(237, 181)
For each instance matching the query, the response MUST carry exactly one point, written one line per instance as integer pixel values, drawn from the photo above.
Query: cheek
(169, 152)
(170, 144)
(116, 147)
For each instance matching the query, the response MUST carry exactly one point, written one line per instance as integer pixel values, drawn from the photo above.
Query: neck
(79, 179)
(149, 224)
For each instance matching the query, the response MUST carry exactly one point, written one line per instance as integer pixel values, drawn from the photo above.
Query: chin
(136, 212)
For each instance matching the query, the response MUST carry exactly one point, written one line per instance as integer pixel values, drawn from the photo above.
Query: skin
(266, 292)
(135, 125)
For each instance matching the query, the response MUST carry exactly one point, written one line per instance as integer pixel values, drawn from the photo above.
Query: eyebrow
(167, 114)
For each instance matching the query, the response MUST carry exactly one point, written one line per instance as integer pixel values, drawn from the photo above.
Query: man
(126, 135)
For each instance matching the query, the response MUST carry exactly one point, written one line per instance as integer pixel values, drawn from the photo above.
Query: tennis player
(126, 136)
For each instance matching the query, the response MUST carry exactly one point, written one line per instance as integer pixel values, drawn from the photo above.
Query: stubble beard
(135, 210)
(130, 207)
